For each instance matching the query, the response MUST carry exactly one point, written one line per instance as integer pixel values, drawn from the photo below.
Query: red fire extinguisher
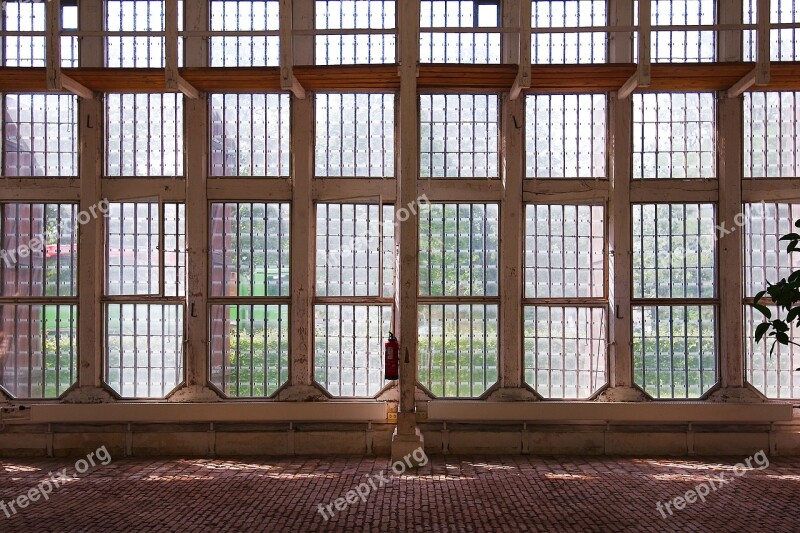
(392, 354)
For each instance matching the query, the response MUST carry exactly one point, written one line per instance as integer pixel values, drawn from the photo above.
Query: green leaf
(761, 330)
(791, 237)
(780, 326)
(782, 338)
(793, 314)
(763, 309)
(760, 294)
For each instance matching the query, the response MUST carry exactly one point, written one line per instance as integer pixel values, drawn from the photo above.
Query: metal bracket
(288, 80)
(57, 80)
(172, 78)
(640, 78)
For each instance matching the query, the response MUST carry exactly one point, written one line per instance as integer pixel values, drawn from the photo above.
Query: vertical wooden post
(407, 436)
(195, 157)
(729, 215)
(512, 219)
(619, 219)
(303, 228)
(90, 235)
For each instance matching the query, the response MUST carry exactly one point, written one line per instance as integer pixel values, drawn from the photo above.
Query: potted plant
(785, 295)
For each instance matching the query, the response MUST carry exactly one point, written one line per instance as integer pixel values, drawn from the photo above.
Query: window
(562, 48)
(782, 42)
(680, 46)
(674, 299)
(459, 136)
(144, 295)
(355, 135)
(30, 17)
(144, 135)
(355, 286)
(249, 265)
(144, 16)
(458, 339)
(468, 46)
(342, 39)
(565, 136)
(250, 135)
(771, 135)
(245, 15)
(38, 299)
(565, 300)
(673, 135)
(40, 135)
(765, 261)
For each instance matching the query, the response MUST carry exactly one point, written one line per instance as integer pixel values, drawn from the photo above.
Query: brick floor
(448, 494)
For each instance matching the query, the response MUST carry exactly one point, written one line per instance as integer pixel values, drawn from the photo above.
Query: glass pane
(774, 374)
(674, 135)
(38, 349)
(674, 251)
(250, 135)
(782, 42)
(458, 349)
(355, 135)
(249, 349)
(144, 349)
(144, 135)
(674, 350)
(564, 251)
(765, 257)
(355, 49)
(771, 135)
(355, 250)
(467, 47)
(348, 348)
(38, 250)
(141, 16)
(563, 48)
(245, 15)
(29, 50)
(565, 350)
(565, 136)
(458, 246)
(249, 249)
(133, 248)
(680, 46)
(459, 135)
(40, 135)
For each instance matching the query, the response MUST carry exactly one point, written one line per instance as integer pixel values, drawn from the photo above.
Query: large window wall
(251, 236)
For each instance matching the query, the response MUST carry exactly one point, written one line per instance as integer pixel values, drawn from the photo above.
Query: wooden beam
(762, 42)
(629, 86)
(74, 87)
(288, 80)
(91, 236)
(643, 70)
(580, 79)
(742, 85)
(304, 226)
(291, 84)
(172, 78)
(57, 80)
(523, 79)
(406, 230)
(761, 74)
(645, 39)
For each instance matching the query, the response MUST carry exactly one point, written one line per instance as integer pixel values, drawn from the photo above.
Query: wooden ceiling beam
(785, 76)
